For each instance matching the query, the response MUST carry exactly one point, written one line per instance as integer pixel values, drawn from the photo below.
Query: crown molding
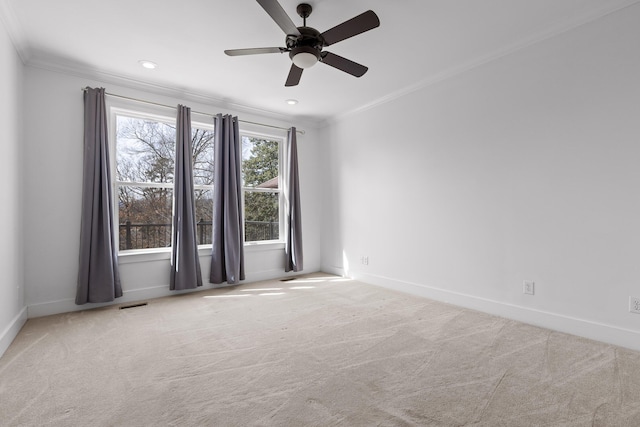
(58, 65)
(591, 16)
(15, 30)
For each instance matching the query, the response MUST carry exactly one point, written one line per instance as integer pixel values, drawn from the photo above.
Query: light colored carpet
(319, 351)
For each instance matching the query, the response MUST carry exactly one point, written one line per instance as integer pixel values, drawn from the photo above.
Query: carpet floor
(316, 351)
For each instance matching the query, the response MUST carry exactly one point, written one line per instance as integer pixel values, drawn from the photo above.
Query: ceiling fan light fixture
(304, 56)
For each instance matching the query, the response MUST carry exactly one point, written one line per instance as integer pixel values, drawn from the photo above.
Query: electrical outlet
(364, 260)
(634, 305)
(528, 287)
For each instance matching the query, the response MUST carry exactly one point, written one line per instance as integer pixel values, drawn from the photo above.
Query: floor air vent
(142, 304)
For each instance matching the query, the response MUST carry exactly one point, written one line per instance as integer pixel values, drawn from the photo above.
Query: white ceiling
(418, 42)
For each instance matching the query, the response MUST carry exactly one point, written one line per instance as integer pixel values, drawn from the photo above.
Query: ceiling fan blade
(354, 26)
(277, 13)
(254, 51)
(344, 64)
(294, 76)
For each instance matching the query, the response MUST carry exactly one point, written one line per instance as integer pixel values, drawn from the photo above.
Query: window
(145, 160)
(143, 173)
(261, 188)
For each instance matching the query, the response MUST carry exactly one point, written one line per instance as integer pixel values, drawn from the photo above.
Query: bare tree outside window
(145, 163)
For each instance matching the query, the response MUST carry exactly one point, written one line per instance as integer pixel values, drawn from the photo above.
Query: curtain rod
(84, 89)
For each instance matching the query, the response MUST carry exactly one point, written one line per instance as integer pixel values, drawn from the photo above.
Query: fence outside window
(143, 236)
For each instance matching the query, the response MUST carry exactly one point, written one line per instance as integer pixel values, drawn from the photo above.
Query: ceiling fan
(305, 44)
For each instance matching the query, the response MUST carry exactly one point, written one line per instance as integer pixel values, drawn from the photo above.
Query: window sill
(263, 246)
(161, 254)
(144, 255)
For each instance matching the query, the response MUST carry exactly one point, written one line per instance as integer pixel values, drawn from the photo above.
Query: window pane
(145, 217)
(202, 144)
(259, 162)
(145, 150)
(261, 216)
(204, 213)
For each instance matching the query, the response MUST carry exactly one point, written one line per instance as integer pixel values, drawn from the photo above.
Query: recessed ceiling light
(149, 65)
(291, 101)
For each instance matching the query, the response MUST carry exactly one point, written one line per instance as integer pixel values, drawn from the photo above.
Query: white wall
(13, 313)
(53, 183)
(525, 168)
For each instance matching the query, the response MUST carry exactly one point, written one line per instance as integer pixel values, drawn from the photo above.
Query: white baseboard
(584, 328)
(332, 269)
(68, 305)
(11, 331)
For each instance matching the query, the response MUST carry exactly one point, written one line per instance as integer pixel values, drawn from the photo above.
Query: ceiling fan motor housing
(308, 37)
(310, 41)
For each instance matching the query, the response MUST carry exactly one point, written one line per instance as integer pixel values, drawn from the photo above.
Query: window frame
(137, 109)
(114, 112)
(281, 205)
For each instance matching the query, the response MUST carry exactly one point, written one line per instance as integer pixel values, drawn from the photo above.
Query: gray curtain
(227, 255)
(293, 247)
(98, 276)
(185, 264)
